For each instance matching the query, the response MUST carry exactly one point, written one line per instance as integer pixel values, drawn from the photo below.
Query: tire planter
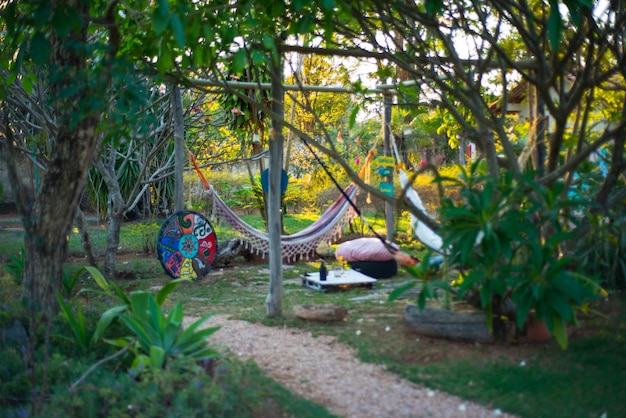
(442, 323)
(187, 245)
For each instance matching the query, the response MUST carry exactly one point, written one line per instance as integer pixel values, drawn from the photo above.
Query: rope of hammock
(303, 244)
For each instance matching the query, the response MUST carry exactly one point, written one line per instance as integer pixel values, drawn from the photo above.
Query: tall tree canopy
(60, 61)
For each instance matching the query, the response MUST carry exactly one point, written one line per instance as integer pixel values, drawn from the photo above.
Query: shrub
(602, 253)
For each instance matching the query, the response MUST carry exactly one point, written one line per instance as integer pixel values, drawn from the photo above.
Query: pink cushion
(363, 249)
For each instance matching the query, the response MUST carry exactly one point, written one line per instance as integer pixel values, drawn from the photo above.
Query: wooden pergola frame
(274, 297)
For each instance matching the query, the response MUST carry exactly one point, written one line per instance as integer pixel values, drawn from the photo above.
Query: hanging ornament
(187, 245)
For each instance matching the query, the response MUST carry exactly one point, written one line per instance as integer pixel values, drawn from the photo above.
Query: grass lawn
(526, 379)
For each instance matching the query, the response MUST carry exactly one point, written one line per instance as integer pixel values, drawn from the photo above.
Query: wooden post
(389, 207)
(179, 147)
(273, 302)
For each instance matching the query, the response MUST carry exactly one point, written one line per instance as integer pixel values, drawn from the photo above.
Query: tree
(47, 40)
(70, 54)
(138, 167)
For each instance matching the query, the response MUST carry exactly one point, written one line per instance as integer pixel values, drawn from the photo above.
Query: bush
(602, 253)
(178, 391)
(506, 240)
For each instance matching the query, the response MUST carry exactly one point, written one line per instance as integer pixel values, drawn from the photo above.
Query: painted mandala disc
(187, 245)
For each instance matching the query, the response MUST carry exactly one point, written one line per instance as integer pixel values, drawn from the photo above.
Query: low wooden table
(347, 278)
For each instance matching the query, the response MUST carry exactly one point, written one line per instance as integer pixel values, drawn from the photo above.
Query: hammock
(422, 231)
(298, 246)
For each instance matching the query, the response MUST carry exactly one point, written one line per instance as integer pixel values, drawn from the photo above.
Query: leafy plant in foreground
(157, 337)
(73, 314)
(506, 238)
(508, 234)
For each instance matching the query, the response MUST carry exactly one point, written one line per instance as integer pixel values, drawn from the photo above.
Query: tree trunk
(275, 296)
(47, 224)
(179, 147)
(48, 219)
(85, 237)
(116, 206)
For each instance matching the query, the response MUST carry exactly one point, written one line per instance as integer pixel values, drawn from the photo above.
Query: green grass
(584, 381)
(587, 380)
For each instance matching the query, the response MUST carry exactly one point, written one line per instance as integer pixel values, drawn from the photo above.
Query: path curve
(327, 372)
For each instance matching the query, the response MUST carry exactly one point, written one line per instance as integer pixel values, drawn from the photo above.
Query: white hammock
(422, 231)
(298, 246)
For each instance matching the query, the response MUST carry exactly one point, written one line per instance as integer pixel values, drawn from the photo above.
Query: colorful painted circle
(187, 245)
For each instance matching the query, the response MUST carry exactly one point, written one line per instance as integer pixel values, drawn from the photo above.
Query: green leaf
(140, 304)
(147, 336)
(399, 291)
(141, 363)
(163, 8)
(62, 22)
(120, 294)
(433, 7)
(328, 5)
(42, 14)
(164, 62)
(240, 59)
(559, 330)
(118, 342)
(156, 319)
(353, 114)
(75, 321)
(191, 341)
(39, 49)
(298, 5)
(167, 289)
(191, 337)
(157, 357)
(555, 25)
(105, 320)
(207, 352)
(177, 27)
(159, 21)
(560, 305)
(96, 275)
(258, 58)
(269, 43)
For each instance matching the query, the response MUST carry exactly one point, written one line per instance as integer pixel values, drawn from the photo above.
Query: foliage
(509, 235)
(425, 276)
(602, 254)
(213, 388)
(73, 314)
(86, 337)
(147, 233)
(159, 339)
(15, 267)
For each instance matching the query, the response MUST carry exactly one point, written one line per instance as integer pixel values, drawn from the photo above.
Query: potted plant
(507, 239)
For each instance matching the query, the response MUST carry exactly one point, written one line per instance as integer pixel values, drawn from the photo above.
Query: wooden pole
(274, 299)
(179, 147)
(389, 207)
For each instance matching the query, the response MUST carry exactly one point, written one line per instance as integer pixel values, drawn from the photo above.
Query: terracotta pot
(537, 330)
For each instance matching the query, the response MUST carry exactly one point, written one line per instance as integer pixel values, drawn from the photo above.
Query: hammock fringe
(301, 245)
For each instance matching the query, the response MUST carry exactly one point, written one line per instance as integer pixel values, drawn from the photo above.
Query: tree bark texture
(179, 147)
(47, 221)
(275, 296)
(116, 206)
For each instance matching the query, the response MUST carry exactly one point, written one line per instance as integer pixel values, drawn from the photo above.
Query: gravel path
(327, 372)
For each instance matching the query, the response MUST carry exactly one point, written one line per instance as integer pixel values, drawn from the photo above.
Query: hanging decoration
(187, 245)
